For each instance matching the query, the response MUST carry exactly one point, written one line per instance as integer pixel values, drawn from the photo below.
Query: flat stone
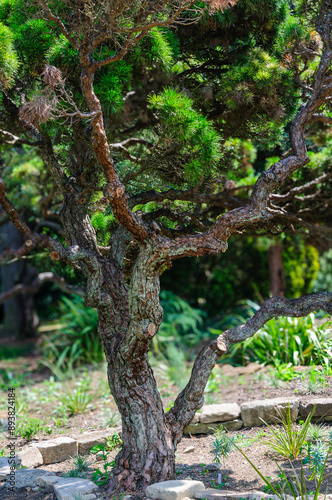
(219, 413)
(5, 466)
(27, 477)
(67, 488)
(201, 428)
(174, 490)
(214, 494)
(190, 449)
(233, 425)
(5, 463)
(86, 441)
(30, 457)
(255, 413)
(328, 419)
(195, 420)
(47, 481)
(323, 407)
(57, 450)
(4, 471)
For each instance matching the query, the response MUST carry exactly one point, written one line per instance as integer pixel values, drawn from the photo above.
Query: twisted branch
(191, 398)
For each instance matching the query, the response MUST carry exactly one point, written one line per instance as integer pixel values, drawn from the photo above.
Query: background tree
(145, 178)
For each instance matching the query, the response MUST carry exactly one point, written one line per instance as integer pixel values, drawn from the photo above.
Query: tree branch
(9, 138)
(37, 283)
(191, 398)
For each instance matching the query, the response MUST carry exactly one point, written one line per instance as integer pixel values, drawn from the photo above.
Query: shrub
(287, 340)
(76, 341)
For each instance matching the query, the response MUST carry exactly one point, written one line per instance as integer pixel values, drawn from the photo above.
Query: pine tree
(137, 129)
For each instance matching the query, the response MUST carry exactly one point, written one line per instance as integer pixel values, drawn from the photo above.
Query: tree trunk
(276, 271)
(148, 452)
(127, 325)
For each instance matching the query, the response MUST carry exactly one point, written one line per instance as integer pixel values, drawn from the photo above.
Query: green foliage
(317, 432)
(113, 441)
(188, 132)
(182, 323)
(293, 484)
(155, 49)
(8, 60)
(76, 341)
(284, 372)
(111, 84)
(288, 441)
(10, 379)
(301, 265)
(288, 340)
(317, 459)
(63, 55)
(221, 446)
(101, 477)
(32, 41)
(259, 83)
(323, 279)
(103, 223)
(176, 366)
(315, 381)
(28, 427)
(9, 352)
(75, 397)
(80, 467)
(216, 283)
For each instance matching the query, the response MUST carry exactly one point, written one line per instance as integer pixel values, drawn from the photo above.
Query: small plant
(76, 400)
(101, 477)
(2, 452)
(113, 441)
(243, 441)
(10, 379)
(315, 383)
(217, 486)
(80, 467)
(317, 459)
(29, 427)
(284, 372)
(288, 441)
(317, 432)
(221, 447)
(60, 422)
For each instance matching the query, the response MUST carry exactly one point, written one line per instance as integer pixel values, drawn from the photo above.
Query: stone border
(255, 413)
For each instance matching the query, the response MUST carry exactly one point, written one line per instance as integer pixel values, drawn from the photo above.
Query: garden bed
(37, 399)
